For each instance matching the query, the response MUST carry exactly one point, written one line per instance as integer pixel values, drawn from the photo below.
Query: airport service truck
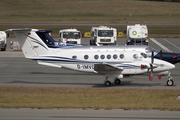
(3, 41)
(70, 36)
(103, 35)
(137, 35)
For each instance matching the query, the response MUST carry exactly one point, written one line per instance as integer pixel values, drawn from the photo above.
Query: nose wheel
(170, 82)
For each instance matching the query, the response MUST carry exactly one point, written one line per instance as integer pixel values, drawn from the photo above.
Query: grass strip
(85, 98)
(93, 11)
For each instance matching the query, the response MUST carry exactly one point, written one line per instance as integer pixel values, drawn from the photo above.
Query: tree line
(164, 0)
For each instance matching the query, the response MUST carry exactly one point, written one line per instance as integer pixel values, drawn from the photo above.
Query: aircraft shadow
(124, 84)
(44, 73)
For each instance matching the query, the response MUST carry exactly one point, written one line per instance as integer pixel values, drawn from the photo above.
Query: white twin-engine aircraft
(110, 61)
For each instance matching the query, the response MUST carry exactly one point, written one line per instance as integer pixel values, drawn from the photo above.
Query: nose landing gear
(170, 82)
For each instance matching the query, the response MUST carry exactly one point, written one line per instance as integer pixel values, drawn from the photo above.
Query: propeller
(152, 57)
(151, 67)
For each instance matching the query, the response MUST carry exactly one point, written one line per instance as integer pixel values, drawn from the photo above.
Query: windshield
(105, 33)
(71, 35)
(150, 49)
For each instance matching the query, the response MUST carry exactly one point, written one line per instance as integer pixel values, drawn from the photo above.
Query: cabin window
(96, 57)
(108, 56)
(86, 57)
(102, 56)
(135, 56)
(121, 56)
(115, 56)
(74, 57)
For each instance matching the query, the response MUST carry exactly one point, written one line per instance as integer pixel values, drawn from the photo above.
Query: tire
(170, 82)
(107, 83)
(146, 43)
(93, 41)
(90, 42)
(117, 81)
(3, 49)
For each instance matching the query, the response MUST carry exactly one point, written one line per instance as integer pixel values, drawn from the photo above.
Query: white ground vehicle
(3, 37)
(137, 35)
(70, 36)
(103, 35)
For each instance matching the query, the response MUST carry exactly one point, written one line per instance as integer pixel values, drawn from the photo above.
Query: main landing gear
(108, 83)
(170, 82)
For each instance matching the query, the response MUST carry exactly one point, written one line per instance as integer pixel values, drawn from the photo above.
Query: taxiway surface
(90, 114)
(15, 70)
(19, 71)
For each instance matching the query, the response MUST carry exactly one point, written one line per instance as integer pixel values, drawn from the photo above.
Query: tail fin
(31, 44)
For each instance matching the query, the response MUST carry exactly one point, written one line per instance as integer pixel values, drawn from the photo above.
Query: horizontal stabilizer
(48, 64)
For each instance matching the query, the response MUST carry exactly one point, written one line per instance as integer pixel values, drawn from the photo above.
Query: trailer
(137, 35)
(3, 41)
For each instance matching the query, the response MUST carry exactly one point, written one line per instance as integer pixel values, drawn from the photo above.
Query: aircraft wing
(106, 68)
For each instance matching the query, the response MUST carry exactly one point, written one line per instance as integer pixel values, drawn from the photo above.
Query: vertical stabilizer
(31, 44)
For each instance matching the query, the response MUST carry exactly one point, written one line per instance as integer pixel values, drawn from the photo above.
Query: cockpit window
(144, 55)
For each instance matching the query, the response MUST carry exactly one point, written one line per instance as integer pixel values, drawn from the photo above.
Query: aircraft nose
(170, 66)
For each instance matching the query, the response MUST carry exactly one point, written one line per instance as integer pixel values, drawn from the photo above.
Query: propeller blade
(151, 72)
(160, 54)
(151, 75)
(152, 57)
(150, 78)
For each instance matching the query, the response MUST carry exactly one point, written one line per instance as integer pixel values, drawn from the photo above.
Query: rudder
(31, 44)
